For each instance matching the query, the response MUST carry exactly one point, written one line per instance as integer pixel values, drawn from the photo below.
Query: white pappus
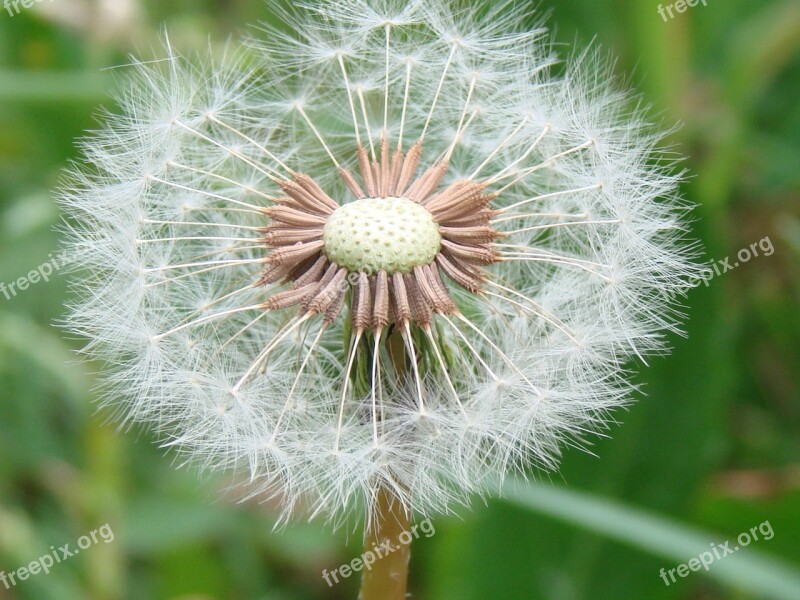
(519, 238)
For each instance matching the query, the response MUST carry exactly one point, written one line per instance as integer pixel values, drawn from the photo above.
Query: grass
(712, 450)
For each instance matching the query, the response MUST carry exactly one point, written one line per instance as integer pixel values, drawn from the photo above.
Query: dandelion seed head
(390, 248)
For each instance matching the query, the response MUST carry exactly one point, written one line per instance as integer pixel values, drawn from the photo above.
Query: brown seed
(400, 296)
(410, 165)
(429, 181)
(311, 186)
(294, 217)
(291, 297)
(295, 253)
(461, 277)
(380, 311)
(313, 273)
(351, 183)
(470, 235)
(367, 175)
(286, 236)
(420, 309)
(362, 304)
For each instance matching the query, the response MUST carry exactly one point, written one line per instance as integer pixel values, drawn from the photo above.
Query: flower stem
(387, 577)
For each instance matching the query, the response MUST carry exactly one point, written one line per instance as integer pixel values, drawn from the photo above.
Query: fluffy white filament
(164, 229)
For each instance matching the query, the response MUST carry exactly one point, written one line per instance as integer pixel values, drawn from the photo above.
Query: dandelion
(379, 261)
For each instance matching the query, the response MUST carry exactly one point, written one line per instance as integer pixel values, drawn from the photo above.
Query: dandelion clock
(377, 262)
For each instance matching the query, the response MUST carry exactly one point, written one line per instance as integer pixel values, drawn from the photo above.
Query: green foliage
(711, 451)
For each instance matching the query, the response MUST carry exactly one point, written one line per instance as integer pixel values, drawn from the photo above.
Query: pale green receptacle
(381, 234)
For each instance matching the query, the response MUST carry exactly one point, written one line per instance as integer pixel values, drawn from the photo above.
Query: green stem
(387, 577)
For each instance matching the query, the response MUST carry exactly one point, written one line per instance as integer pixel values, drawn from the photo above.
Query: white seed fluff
(167, 235)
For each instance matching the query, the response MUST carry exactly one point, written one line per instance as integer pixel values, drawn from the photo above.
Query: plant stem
(387, 577)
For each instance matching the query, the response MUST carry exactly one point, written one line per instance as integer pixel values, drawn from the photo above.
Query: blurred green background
(711, 450)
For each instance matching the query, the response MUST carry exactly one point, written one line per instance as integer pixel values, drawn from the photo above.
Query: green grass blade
(748, 570)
